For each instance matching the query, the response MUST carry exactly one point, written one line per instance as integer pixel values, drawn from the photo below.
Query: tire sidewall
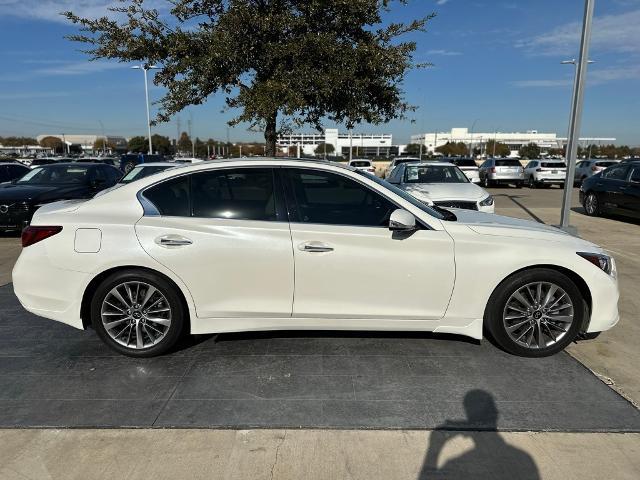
(495, 309)
(596, 209)
(165, 287)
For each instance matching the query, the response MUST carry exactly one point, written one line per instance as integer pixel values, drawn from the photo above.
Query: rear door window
(171, 198)
(616, 173)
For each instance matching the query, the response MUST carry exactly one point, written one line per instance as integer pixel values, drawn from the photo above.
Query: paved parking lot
(51, 375)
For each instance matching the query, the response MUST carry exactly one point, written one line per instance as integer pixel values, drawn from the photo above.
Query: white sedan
(271, 244)
(441, 184)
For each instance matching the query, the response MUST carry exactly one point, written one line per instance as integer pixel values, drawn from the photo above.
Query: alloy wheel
(136, 314)
(538, 315)
(591, 204)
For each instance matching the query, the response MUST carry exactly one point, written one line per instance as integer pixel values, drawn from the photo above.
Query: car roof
(159, 164)
(13, 163)
(75, 164)
(431, 163)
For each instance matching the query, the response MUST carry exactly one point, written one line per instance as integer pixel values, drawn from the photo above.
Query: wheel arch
(85, 306)
(573, 276)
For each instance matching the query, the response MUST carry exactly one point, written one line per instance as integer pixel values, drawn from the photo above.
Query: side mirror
(402, 221)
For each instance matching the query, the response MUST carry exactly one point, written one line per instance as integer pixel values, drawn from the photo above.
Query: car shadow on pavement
(491, 457)
(619, 218)
(515, 199)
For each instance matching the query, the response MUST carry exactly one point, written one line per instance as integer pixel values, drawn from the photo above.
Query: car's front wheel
(137, 313)
(592, 204)
(535, 313)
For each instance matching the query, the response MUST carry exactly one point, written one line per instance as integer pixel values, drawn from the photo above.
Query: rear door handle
(173, 241)
(315, 247)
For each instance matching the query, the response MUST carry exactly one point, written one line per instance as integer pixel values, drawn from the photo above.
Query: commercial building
(85, 143)
(514, 140)
(363, 144)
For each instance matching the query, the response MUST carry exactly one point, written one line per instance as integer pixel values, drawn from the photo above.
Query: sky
(496, 65)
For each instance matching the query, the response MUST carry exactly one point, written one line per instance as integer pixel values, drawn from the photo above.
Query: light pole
(145, 68)
(473, 125)
(576, 112)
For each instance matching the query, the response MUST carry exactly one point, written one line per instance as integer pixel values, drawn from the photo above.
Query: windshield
(360, 163)
(141, 172)
(56, 174)
(434, 174)
(508, 163)
(405, 196)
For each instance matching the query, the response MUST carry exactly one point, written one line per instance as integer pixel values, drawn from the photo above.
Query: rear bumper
(46, 290)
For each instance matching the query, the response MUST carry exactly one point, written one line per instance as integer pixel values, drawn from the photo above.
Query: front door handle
(173, 241)
(315, 247)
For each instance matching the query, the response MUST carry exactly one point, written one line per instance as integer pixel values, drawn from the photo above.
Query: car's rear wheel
(137, 313)
(519, 184)
(535, 313)
(592, 204)
(129, 166)
(531, 183)
(486, 183)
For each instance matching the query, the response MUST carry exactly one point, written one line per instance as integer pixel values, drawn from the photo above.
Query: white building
(86, 142)
(363, 144)
(514, 140)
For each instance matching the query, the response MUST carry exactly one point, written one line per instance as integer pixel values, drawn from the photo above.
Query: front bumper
(14, 217)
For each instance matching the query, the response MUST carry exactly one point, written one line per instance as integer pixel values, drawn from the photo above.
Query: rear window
(605, 164)
(406, 160)
(464, 162)
(505, 162)
(361, 163)
(553, 165)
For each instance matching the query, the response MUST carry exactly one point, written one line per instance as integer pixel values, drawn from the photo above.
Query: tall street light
(576, 113)
(473, 125)
(145, 68)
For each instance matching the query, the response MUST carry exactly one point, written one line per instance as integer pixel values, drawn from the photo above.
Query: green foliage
(323, 148)
(413, 149)
(453, 149)
(497, 149)
(17, 141)
(530, 151)
(101, 144)
(138, 144)
(161, 144)
(305, 60)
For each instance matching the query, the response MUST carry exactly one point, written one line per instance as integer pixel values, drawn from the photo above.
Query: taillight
(493, 169)
(31, 234)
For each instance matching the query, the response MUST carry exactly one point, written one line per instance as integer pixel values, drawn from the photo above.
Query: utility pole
(179, 132)
(350, 145)
(193, 143)
(576, 113)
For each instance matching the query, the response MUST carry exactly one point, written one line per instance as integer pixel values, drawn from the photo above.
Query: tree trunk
(271, 134)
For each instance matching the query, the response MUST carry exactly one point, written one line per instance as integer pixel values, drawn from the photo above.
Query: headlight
(604, 262)
(487, 202)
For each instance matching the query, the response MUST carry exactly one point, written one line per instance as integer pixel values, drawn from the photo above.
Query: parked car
(189, 160)
(398, 161)
(614, 190)
(115, 162)
(545, 173)
(12, 171)
(275, 244)
(140, 171)
(504, 171)
(130, 160)
(362, 164)
(38, 162)
(441, 184)
(588, 168)
(49, 183)
(468, 166)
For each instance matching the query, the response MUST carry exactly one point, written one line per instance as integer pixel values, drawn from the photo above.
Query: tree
(17, 141)
(453, 149)
(54, 143)
(413, 149)
(323, 148)
(269, 58)
(161, 144)
(138, 144)
(530, 151)
(101, 145)
(497, 149)
(184, 143)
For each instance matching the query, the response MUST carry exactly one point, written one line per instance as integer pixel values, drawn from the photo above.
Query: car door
(632, 192)
(613, 183)
(348, 264)
(224, 232)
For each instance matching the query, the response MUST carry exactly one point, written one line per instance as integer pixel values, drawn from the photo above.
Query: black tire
(486, 183)
(497, 303)
(164, 287)
(531, 183)
(591, 204)
(129, 166)
(519, 184)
